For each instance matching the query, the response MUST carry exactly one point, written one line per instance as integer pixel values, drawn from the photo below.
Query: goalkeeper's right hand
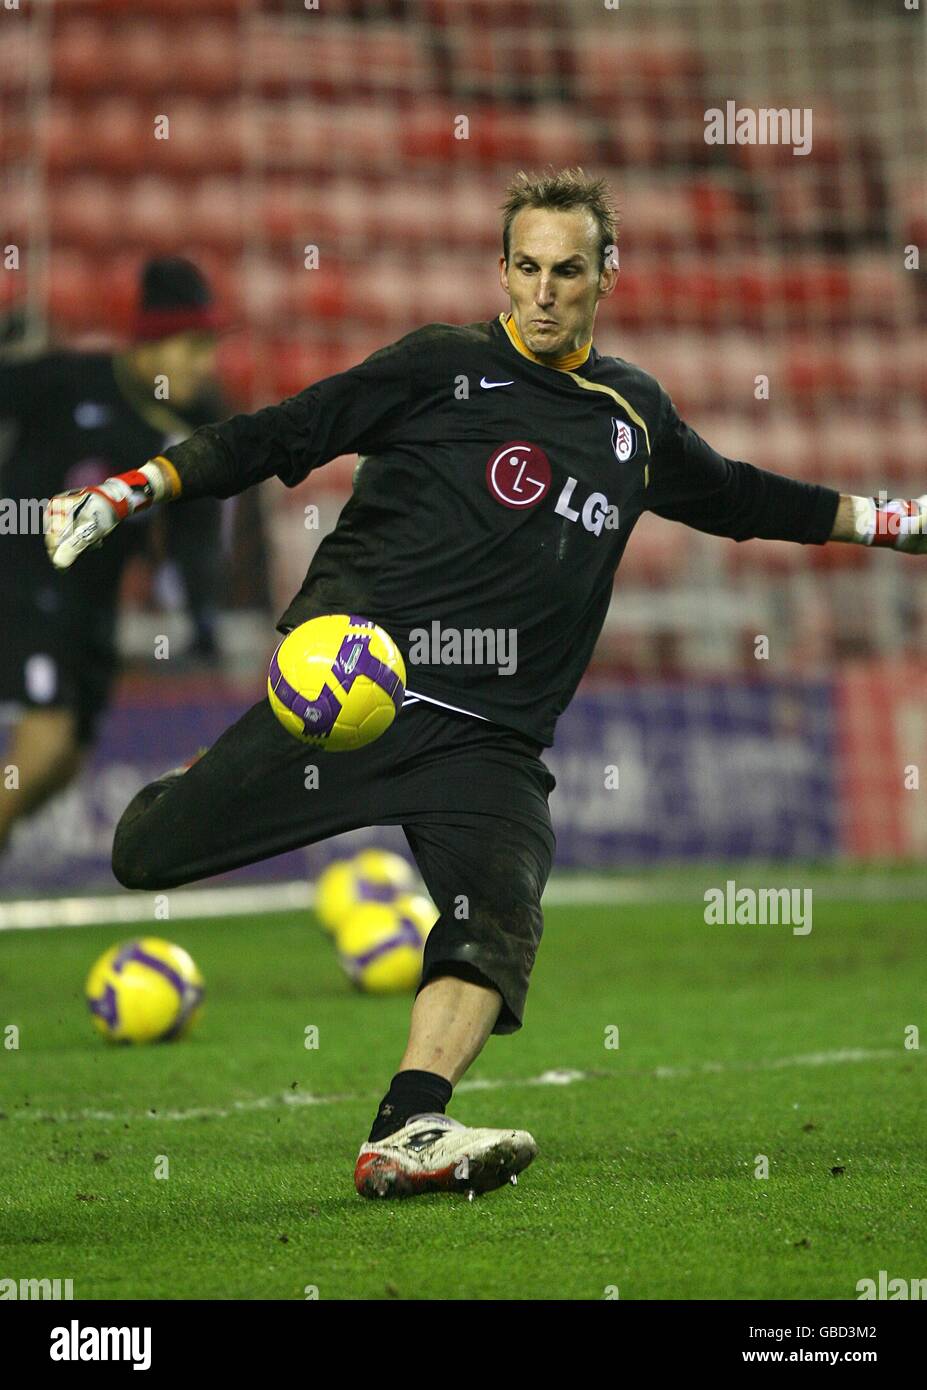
(79, 520)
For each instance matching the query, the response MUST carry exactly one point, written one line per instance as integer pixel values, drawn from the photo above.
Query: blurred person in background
(70, 420)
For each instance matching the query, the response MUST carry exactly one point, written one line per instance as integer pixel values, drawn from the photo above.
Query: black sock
(410, 1093)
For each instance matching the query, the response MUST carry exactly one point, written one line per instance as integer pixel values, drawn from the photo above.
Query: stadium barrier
(648, 772)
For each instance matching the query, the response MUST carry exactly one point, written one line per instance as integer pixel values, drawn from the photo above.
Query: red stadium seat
(213, 211)
(209, 57)
(381, 294)
(476, 13)
(914, 213)
(721, 216)
(294, 212)
(105, 134)
(657, 554)
(818, 371)
(500, 60)
(427, 135)
(910, 364)
(466, 296)
(86, 211)
(266, 293)
(296, 364)
(282, 207)
(62, 136)
(310, 295)
(851, 451)
(902, 453)
(237, 361)
(121, 9)
(20, 55)
(471, 210)
(658, 215)
(143, 53)
(72, 292)
(20, 201)
(735, 362)
(203, 136)
(154, 213)
(81, 55)
(496, 135)
(334, 59)
(756, 293)
(327, 138)
(118, 293)
(614, 60)
(839, 557)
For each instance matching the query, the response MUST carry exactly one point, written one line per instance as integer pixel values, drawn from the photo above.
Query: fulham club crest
(624, 440)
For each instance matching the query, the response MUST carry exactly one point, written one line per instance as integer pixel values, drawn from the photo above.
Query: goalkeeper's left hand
(899, 524)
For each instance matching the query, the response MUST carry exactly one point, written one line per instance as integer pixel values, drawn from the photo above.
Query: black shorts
(57, 661)
(471, 797)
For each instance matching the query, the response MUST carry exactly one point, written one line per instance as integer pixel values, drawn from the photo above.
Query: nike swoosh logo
(488, 385)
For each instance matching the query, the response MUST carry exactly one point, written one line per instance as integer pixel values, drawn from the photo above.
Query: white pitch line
(805, 1059)
(555, 1077)
(184, 904)
(235, 900)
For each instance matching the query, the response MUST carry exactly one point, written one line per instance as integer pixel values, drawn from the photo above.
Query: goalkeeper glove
(79, 520)
(899, 524)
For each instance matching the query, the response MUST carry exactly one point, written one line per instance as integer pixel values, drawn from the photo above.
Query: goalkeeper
(504, 467)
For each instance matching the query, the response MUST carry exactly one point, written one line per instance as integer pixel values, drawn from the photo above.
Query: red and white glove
(79, 520)
(899, 524)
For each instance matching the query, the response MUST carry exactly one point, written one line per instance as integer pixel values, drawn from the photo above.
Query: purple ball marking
(318, 716)
(367, 665)
(105, 1008)
(407, 935)
(375, 892)
(134, 952)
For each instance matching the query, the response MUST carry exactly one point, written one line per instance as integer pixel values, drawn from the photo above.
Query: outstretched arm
(352, 412)
(692, 483)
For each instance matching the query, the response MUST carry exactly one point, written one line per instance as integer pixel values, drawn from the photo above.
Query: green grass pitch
(734, 1042)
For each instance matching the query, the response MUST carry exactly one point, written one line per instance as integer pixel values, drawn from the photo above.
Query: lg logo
(519, 476)
(596, 511)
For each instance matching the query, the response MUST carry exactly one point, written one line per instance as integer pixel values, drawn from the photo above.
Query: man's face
(188, 360)
(553, 279)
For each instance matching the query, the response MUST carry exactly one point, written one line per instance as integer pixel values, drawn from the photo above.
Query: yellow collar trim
(567, 363)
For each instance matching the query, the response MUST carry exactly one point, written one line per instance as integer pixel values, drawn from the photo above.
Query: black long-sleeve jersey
(495, 496)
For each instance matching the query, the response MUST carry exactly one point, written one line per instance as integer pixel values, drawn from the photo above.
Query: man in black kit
(70, 419)
(504, 466)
